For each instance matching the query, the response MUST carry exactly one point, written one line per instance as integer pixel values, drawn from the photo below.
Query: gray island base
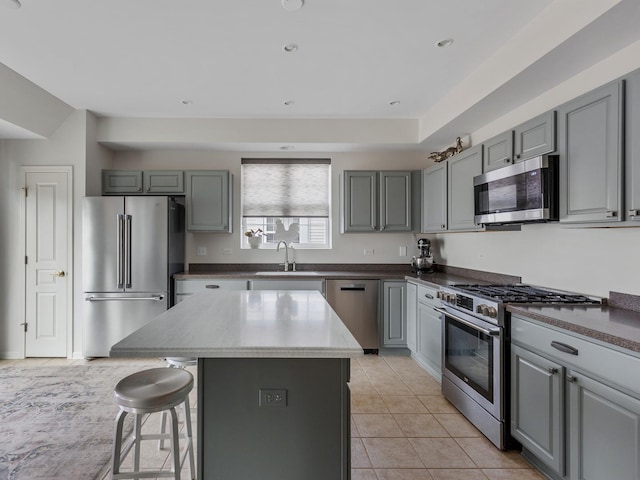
(273, 373)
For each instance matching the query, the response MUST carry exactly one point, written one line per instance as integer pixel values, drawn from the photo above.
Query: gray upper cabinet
(395, 201)
(590, 133)
(120, 182)
(376, 201)
(498, 152)
(434, 198)
(130, 182)
(535, 137)
(462, 168)
(632, 147)
(163, 181)
(360, 197)
(208, 201)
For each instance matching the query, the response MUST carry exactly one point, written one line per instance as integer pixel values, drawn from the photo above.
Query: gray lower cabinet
(590, 134)
(462, 168)
(575, 403)
(394, 314)
(604, 432)
(296, 284)
(412, 316)
(186, 287)
(537, 406)
(632, 147)
(119, 182)
(376, 201)
(434, 198)
(428, 332)
(498, 152)
(208, 201)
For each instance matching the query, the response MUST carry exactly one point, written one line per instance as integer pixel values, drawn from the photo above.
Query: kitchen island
(273, 398)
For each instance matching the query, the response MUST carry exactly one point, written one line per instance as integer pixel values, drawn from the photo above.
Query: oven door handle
(486, 331)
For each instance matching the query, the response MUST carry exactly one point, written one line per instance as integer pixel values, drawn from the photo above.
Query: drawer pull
(429, 296)
(553, 370)
(212, 286)
(563, 347)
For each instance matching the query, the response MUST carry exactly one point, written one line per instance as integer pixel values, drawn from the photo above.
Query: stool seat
(182, 362)
(156, 388)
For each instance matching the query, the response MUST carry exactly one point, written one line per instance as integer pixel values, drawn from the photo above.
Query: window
(286, 199)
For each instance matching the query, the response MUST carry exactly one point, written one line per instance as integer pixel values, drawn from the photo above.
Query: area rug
(57, 422)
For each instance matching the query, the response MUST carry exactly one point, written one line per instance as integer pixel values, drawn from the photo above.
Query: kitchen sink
(285, 274)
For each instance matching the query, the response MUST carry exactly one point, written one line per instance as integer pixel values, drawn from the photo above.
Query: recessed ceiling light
(292, 5)
(393, 103)
(445, 43)
(11, 3)
(288, 103)
(287, 147)
(187, 102)
(290, 47)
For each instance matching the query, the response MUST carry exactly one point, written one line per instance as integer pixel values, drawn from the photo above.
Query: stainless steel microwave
(523, 192)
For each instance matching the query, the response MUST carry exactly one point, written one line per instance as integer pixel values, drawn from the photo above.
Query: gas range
(488, 301)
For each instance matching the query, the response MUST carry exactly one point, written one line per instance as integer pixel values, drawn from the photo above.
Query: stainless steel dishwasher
(356, 303)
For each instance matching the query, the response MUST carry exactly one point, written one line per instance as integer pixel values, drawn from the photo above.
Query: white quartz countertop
(244, 324)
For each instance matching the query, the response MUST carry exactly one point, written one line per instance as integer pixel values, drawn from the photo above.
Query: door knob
(59, 273)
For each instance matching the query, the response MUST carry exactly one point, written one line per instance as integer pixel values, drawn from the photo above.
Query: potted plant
(254, 237)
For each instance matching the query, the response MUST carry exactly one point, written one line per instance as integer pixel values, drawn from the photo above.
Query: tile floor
(402, 428)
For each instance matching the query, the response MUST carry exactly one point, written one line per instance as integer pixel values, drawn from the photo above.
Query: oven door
(472, 358)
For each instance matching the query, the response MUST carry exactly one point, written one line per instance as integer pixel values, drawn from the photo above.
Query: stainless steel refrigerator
(131, 247)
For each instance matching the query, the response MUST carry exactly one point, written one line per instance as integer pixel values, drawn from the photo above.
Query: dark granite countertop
(617, 327)
(443, 276)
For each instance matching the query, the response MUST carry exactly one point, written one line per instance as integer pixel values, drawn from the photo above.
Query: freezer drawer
(356, 303)
(109, 317)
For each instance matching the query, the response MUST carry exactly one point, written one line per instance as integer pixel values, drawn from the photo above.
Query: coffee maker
(423, 263)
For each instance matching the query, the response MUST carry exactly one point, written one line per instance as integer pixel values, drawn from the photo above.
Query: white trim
(24, 170)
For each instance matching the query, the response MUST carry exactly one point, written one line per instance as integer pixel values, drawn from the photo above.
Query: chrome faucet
(286, 254)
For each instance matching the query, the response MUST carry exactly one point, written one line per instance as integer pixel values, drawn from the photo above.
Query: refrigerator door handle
(127, 252)
(119, 251)
(155, 298)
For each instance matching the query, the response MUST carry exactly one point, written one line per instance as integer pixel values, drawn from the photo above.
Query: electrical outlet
(273, 397)
(403, 251)
(201, 251)
(227, 251)
(368, 251)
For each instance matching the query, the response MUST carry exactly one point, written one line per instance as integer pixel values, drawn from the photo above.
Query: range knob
(440, 295)
(482, 309)
(492, 312)
(451, 298)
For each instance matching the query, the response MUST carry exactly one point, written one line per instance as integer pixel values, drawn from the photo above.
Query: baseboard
(11, 355)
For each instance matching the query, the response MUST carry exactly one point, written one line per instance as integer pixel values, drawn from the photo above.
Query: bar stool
(175, 362)
(150, 391)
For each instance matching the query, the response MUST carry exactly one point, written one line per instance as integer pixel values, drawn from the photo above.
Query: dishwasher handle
(353, 287)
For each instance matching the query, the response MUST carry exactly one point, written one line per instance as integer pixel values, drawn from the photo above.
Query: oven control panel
(479, 307)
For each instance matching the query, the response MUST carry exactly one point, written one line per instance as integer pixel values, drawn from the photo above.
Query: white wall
(347, 248)
(67, 146)
(593, 261)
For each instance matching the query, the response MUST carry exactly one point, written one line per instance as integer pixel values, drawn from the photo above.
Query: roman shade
(285, 187)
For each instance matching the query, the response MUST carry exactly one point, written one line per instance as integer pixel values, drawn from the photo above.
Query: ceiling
(207, 59)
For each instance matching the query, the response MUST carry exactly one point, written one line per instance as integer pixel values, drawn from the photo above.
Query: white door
(48, 261)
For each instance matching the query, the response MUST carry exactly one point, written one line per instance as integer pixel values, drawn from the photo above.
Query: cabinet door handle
(552, 370)
(212, 286)
(572, 379)
(632, 213)
(563, 347)
(611, 214)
